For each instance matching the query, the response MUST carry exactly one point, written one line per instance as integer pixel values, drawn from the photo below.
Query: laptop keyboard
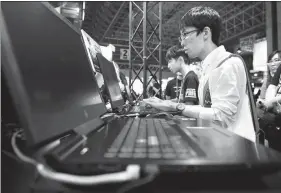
(149, 138)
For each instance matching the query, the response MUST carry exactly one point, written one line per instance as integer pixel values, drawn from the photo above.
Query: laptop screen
(48, 70)
(92, 48)
(111, 81)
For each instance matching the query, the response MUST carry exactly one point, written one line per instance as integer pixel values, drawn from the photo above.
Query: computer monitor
(47, 70)
(111, 82)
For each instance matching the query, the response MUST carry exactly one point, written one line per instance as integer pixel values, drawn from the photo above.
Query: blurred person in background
(173, 88)
(153, 87)
(178, 61)
(269, 112)
(273, 62)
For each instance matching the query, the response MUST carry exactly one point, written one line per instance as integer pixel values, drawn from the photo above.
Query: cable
(132, 171)
(19, 153)
(152, 171)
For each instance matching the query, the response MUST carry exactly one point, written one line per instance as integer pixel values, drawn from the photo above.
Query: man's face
(174, 65)
(191, 42)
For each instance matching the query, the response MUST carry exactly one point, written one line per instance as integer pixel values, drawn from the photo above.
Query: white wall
(260, 55)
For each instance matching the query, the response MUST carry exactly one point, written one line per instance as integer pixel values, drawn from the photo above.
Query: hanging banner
(247, 43)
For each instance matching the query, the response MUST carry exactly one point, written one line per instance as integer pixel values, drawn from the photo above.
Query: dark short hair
(201, 17)
(175, 52)
(273, 53)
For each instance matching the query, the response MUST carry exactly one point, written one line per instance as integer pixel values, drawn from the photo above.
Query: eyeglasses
(186, 35)
(275, 60)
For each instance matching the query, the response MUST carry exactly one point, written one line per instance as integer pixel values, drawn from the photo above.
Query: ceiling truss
(245, 18)
(108, 22)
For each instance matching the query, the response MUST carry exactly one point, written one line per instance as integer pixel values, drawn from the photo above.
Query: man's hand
(164, 105)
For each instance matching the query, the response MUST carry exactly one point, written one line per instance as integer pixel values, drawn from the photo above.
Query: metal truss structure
(242, 18)
(143, 30)
(123, 25)
(102, 17)
(108, 22)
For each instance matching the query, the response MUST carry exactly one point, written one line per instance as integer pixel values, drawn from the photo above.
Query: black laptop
(52, 84)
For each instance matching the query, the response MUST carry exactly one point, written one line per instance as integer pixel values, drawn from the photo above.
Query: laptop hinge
(89, 126)
(75, 141)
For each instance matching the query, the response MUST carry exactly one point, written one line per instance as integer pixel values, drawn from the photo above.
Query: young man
(178, 61)
(173, 88)
(223, 95)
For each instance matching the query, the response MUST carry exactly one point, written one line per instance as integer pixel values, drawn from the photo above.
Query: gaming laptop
(52, 84)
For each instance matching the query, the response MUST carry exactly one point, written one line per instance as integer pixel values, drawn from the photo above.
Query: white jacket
(230, 103)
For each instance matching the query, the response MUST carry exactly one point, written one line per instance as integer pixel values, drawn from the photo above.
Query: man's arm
(192, 111)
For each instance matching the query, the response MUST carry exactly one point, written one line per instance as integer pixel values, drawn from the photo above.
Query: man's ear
(181, 60)
(207, 33)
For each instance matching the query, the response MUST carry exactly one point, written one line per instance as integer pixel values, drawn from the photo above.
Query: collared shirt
(230, 102)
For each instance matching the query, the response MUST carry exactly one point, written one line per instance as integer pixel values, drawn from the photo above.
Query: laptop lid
(111, 81)
(47, 70)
